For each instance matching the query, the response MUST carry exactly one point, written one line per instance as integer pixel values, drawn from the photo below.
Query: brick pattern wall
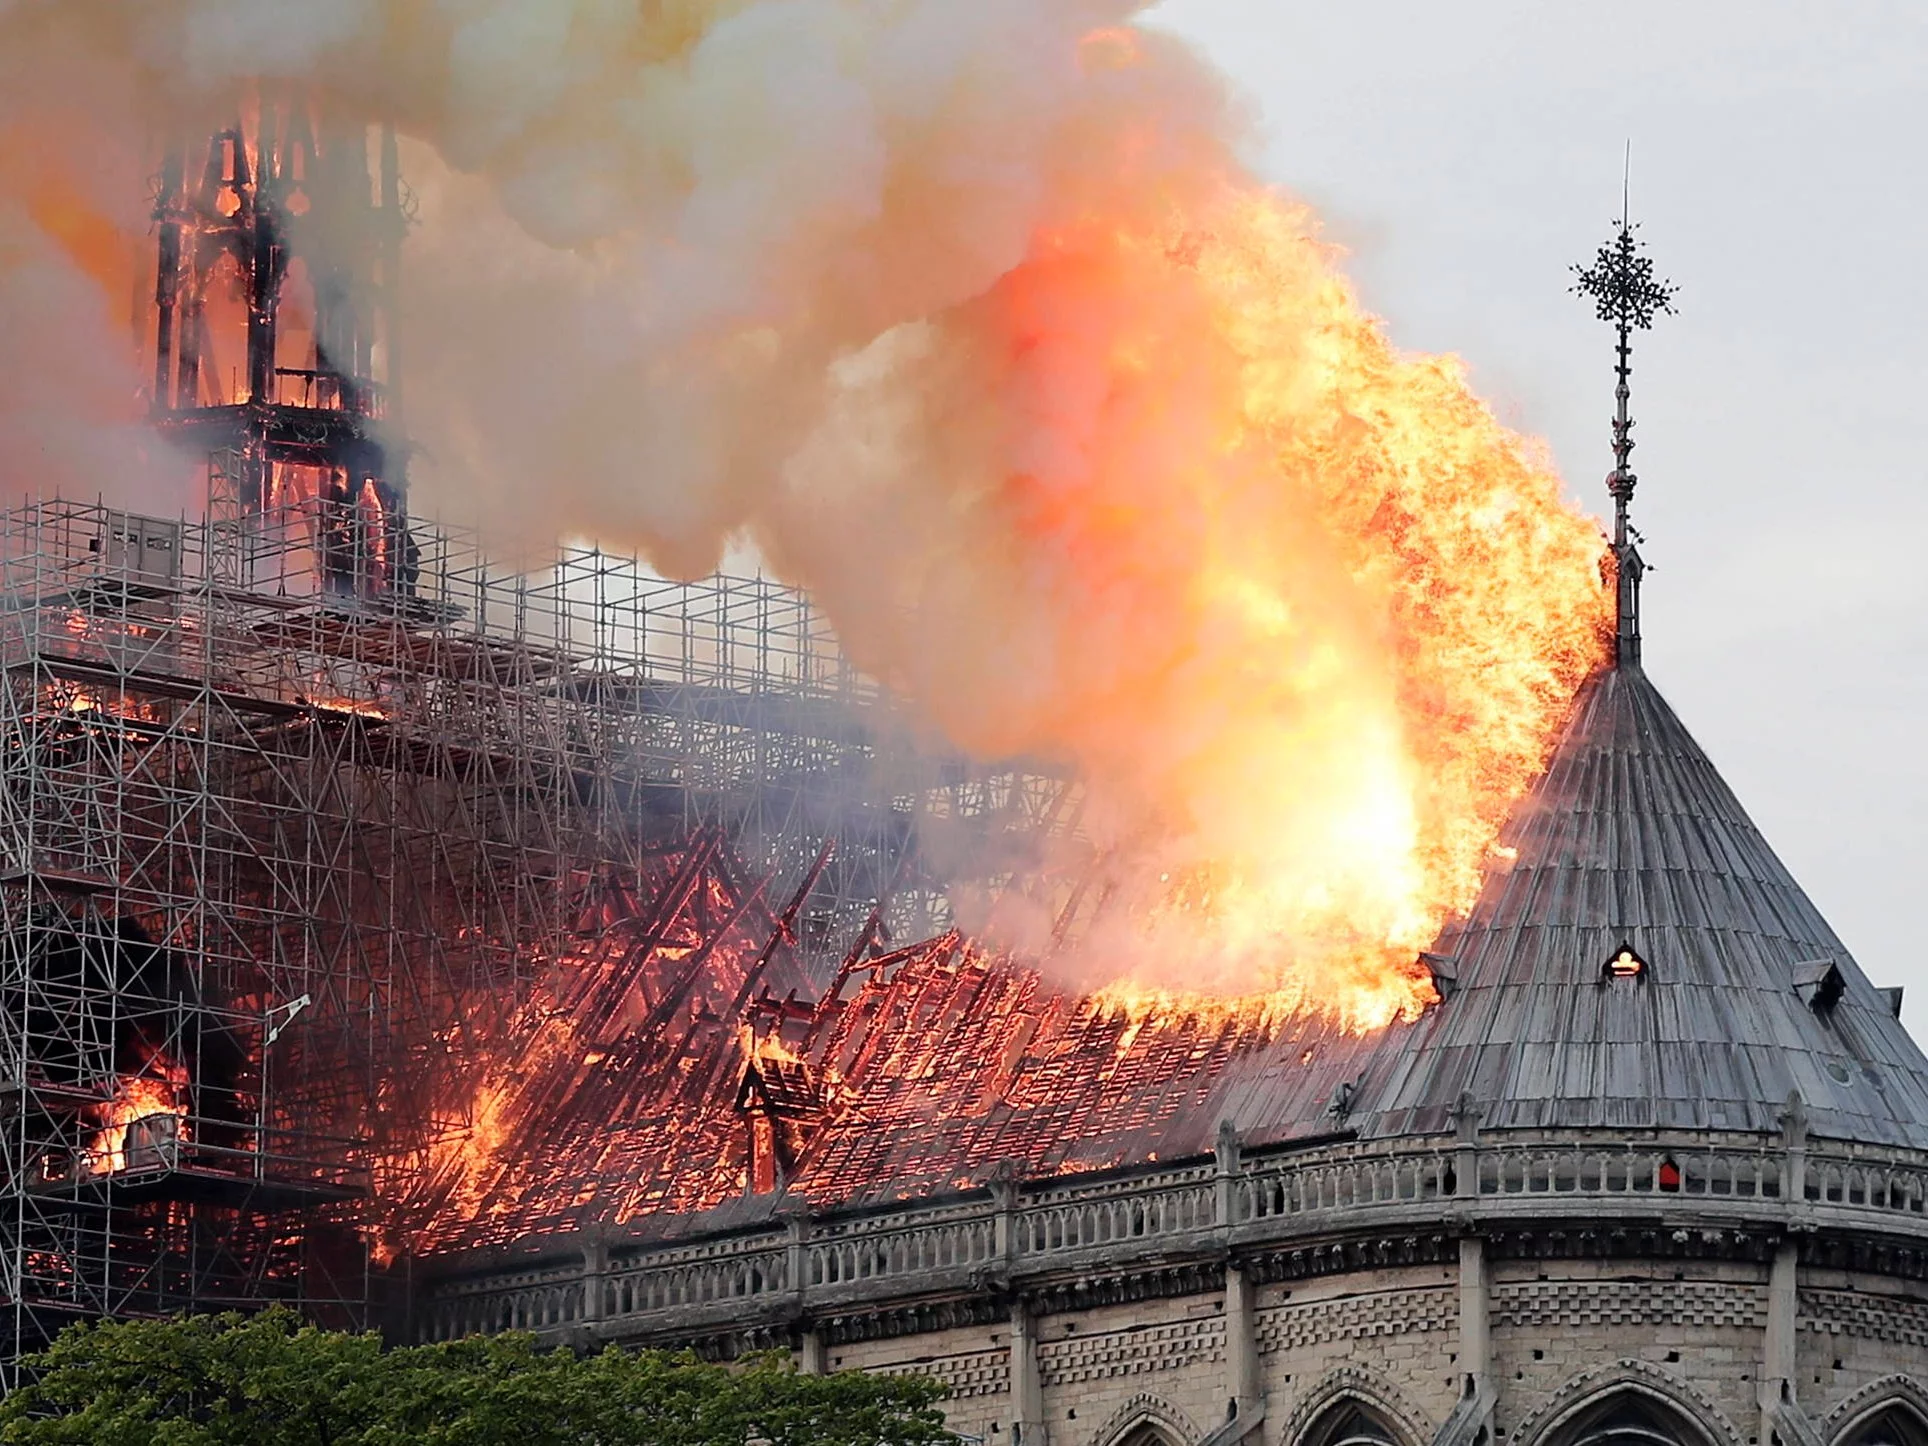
(1164, 1357)
(1358, 1317)
(1865, 1314)
(1704, 1330)
(975, 1373)
(1159, 1345)
(1854, 1332)
(1583, 1304)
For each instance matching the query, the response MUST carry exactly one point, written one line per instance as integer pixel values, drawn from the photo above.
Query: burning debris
(917, 1070)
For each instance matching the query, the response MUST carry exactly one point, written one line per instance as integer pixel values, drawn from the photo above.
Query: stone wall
(1717, 1290)
(1692, 1332)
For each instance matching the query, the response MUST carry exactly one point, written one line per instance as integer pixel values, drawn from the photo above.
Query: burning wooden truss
(641, 1102)
(286, 874)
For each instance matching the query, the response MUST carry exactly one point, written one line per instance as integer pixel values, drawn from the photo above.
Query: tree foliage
(268, 1380)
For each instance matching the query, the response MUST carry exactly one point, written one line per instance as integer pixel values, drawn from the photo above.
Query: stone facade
(1545, 1291)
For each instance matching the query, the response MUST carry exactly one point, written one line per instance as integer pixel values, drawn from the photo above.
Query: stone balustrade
(1015, 1232)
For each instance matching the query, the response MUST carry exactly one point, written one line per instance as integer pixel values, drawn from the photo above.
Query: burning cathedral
(445, 949)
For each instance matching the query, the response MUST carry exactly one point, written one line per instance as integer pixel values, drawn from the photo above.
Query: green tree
(268, 1380)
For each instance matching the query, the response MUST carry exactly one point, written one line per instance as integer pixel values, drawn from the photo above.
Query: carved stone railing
(1018, 1232)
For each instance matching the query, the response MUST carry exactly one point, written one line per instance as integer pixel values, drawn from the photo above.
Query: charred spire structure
(1622, 286)
(274, 337)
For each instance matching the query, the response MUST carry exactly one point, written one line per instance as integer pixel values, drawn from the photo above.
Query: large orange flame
(154, 1100)
(1303, 613)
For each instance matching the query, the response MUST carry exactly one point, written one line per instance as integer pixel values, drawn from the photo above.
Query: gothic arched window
(1629, 1418)
(1897, 1423)
(1349, 1422)
(1148, 1433)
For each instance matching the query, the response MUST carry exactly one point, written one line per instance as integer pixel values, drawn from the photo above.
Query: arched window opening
(1148, 1433)
(1897, 1423)
(1350, 1422)
(1629, 1418)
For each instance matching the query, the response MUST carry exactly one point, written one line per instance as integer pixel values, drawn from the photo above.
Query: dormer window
(1820, 983)
(1623, 963)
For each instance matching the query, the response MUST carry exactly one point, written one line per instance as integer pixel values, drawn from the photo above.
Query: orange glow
(350, 706)
(160, 1090)
(374, 518)
(39, 174)
(1312, 613)
(768, 1047)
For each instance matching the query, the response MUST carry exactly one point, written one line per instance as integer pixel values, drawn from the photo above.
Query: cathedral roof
(1632, 842)
(945, 1064)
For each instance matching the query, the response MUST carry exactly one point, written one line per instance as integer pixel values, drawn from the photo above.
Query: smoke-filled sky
(1466, 153)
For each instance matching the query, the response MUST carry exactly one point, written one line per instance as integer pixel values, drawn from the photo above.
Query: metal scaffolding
(277, 854)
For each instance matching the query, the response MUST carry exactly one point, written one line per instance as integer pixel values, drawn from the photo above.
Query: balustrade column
(1004, 1193)
(1226, 1151)
(1794, 1129)
(595, 1273)
(795, 1252)
(1466, 1117)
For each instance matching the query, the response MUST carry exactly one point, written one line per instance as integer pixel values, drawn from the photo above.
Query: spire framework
(1625, 292)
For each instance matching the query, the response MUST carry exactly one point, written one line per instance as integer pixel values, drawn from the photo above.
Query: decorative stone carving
(1355, 1383)
(1145, 1408)
(1840, 1424)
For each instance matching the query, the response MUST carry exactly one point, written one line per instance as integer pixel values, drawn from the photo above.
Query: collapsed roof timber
(934, 1068)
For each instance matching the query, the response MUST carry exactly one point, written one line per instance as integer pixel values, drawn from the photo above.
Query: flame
(372, 518)
(353, 707)
(161, 1089)
(1304, 615)
(768, 1047)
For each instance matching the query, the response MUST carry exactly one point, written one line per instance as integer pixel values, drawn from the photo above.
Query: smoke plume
(968, 316)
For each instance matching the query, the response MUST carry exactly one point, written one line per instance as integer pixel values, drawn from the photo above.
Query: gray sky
(1466, 153)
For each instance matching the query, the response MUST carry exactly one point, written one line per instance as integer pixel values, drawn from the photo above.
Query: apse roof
(1632, 840)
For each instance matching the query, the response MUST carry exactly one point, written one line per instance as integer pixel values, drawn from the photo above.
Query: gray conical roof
(1631, 838)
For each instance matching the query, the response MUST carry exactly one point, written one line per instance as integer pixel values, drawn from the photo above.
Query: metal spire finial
(1625, 292)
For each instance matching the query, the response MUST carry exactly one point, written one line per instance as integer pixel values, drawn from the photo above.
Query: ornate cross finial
(1625, 292)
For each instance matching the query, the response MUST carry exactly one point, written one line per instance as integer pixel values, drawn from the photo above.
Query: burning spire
(1625, 292)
